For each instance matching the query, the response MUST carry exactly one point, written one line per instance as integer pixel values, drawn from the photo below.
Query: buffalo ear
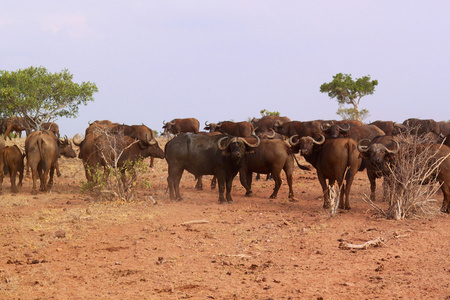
(364, 155)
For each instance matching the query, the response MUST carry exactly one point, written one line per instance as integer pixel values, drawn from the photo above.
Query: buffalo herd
(336, 149)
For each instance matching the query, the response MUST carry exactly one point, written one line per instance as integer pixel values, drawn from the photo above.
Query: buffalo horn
(362, 148)
(219, 143)
(164, 122)
(344, 129)
(395, 150)
(291, 140)
(251, 145)
(273, 134)
(206, 123)
(325, 126)
(322, 140)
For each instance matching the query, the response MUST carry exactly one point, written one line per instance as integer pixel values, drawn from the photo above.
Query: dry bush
(411, 178)
(117, 180)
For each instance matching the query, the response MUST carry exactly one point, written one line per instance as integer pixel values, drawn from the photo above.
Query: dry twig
(375, 243)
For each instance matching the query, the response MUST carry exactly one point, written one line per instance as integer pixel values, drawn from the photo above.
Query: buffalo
(42, 150)
(139, 132)
(271, 156)
(98, 149)
(421, 127)
(11, 124)
(348, 129)
(177, 126)
(12, 158)
(378, 149)
(121, 151)
(389, 127)
(381, 154)
(334, 159)
(239, 129)
(300, 129)
(219, 155)
(267, 123)
(52, 126)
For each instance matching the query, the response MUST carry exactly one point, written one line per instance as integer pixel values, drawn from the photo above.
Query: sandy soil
(67, 245)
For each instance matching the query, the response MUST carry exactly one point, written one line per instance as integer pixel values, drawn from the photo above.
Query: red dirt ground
(67, 245)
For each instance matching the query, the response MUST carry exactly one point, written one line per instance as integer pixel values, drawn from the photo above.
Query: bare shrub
(118, 179)
(411, 178)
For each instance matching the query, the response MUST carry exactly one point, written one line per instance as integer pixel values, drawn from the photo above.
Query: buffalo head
(305, 144)
(378, 153)
(335, 130)
(236, 147)
(65, 148)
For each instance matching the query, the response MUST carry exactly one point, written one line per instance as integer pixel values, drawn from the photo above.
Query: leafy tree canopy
(265, 113)
(349, 92)
(39, 96)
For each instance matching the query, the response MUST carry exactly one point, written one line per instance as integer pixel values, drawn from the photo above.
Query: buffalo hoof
(248, 194)
(273, 196)
(326, 205)
(223, 202)
(230, 201)
(445, 211)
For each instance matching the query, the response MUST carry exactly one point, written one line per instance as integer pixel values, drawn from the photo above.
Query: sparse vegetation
(411, 180)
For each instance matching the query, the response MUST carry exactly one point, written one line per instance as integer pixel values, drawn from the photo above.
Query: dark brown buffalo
(447, 140)
(444, 128)
(300, 129)
(97, 150)
(267, 123)
(381, 147)
(52, 126)
(380, 152)
(271, 156)
(126, 150)
(11, 124)
(139, 132)
(100, 126)
(335, 160)
(219, 155)
(12, 158)
(239, 129)
(177, 126)
(388, 127)
(42, 150)
(346, 129)
(421, 127)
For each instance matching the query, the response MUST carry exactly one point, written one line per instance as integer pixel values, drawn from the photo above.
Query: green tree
(38, 96)
(349, 92)
(264, 112)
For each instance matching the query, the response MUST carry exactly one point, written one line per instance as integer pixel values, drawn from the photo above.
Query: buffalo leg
(445, 203)
(51, 173)
(152, 162)
(278, 181)
(199, 184)
(221, 183)
(229, 184)
(373, 184)
(213, 182)
(323, 183)
(34, 176)
(246, 180)
(12, 177)
(289, 182)
(173, 180)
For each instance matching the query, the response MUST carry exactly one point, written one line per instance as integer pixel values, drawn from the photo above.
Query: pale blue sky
(221, 60)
